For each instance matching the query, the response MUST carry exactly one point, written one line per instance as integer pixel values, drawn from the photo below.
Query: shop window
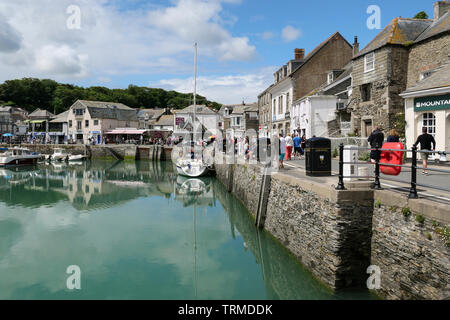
(95, 122)
(70, 123)
(87, 123)
(366, 92)
(429, 122)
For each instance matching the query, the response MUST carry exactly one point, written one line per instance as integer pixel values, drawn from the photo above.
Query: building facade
(265, 112)
(89, 120)
(427, 98)
(209, 119)
(380, 75)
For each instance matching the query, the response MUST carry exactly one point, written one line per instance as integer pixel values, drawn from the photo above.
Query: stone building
(264, 111)
(332, 54)
(380, 75)
(38, 125)
(149, 117)
(10, 117)
(427, 97)
(225, 113)
(91, 119)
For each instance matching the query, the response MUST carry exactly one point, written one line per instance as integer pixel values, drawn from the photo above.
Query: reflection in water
(137, 231)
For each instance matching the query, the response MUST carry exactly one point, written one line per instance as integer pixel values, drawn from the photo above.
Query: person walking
(282, 151)
(289, 146)
(297, 150)
(376, 140)
(393, 136)
(425, 140)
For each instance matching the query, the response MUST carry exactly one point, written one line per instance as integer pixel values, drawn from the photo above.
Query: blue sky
(150, 43)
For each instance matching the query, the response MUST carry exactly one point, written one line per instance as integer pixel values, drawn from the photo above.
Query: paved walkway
(400, 183)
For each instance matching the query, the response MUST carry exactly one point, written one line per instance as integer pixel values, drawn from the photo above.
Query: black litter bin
(318, 157)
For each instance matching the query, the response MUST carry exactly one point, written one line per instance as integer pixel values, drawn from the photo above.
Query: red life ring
(391, 157)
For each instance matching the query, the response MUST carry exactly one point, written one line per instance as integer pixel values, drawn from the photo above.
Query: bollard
(413, 190)
(340, 185)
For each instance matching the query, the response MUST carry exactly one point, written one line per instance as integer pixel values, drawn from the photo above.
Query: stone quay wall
(127, 152)
(338, 234)
(411, 247)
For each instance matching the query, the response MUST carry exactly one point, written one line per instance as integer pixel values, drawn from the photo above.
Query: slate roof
(166, 120)
(62, 117)
(399, 31)
(238, 109)
(39, 113)
(438, 79)
(5, 108)
(151, 113)
(109, 110)
(440, 26)
(201, 109)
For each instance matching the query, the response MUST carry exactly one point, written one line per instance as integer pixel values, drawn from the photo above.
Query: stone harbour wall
(410, 247)
(337, 235)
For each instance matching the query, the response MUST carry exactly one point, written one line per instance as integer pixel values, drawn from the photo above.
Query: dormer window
(369, 62)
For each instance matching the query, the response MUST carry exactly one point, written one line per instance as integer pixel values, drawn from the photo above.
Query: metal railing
(377, 185)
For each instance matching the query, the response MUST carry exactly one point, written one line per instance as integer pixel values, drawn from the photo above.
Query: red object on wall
(391, 157)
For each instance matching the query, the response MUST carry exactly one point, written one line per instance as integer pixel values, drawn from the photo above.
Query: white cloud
(35, 40)
(290, 33)
(224, 89)
(199, 21)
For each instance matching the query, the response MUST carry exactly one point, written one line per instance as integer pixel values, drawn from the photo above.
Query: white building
(312, 115)
(204, 115)
(427, 104)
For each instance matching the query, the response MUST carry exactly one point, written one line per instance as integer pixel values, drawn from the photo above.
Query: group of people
(426, 141)
(291, 146)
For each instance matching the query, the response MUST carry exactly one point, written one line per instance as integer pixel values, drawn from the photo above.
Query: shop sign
(432, 103)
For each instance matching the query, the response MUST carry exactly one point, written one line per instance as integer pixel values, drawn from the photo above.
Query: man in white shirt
(282, 150)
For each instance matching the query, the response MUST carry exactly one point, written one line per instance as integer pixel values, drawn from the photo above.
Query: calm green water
(137, 231)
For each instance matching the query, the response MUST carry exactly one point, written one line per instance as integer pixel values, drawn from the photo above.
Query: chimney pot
(299, 54)
(355, 47)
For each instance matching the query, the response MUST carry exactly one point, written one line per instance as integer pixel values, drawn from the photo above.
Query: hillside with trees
(30, 93)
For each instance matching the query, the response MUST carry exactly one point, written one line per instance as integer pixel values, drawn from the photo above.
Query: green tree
(421, 15)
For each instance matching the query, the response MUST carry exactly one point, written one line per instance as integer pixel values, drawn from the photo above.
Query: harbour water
(138, 231)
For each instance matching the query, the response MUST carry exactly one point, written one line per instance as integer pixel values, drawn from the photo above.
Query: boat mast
(195, 88)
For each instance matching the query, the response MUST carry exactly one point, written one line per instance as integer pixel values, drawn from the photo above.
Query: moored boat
(59, 155)
(18, 156)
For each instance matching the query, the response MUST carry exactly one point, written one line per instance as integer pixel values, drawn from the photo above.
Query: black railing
(377, 185)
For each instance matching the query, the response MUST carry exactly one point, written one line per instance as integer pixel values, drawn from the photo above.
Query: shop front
(429, 109)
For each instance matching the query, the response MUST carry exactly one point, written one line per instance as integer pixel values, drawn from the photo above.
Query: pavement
(400, 183)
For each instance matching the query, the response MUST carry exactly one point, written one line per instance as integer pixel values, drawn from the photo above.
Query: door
(368, 127)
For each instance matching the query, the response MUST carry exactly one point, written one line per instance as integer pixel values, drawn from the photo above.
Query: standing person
(297, 142)
(393, 136)
(246, 149)
(425, 141)
(376, 140)
(282, 150)
(303, 144)
(289, 146)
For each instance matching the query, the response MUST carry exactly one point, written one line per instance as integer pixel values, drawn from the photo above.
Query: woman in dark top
(376, 139)
(393, 136)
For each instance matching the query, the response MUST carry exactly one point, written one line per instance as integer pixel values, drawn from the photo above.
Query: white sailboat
(188, 165)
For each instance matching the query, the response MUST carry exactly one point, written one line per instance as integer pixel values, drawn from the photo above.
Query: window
(236, 121)
(429, 122)
(366, 92)
(86, 123)
(78, 112)
(274, 106)
(330, 77)
(369, 62)
(287, 103)
(78, 125)
(70, 123)
(95, 122)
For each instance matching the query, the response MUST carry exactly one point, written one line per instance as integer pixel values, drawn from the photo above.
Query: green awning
(37, 121)
(26, 121)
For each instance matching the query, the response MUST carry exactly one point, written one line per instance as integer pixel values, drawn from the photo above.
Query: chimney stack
(299, 54)
(440, 8)
(355, 46)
